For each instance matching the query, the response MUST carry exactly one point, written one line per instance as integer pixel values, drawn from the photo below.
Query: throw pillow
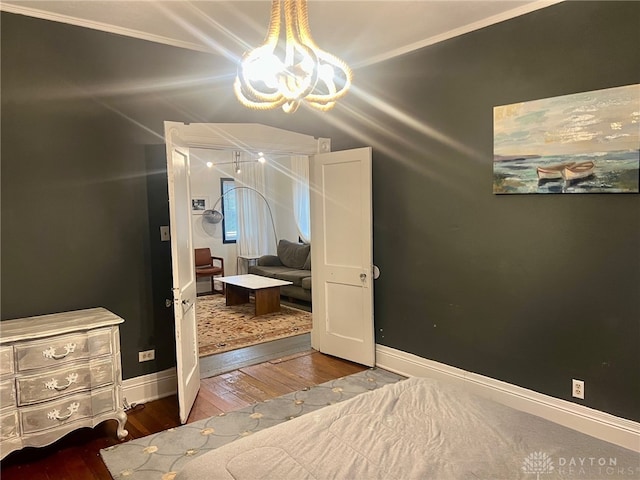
(292, 255)
(307, 263)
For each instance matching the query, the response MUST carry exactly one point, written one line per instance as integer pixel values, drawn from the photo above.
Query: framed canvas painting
(581, 143)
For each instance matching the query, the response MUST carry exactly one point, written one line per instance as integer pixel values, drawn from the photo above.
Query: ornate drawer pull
(53, 383)
(55, 413)
(51, 351)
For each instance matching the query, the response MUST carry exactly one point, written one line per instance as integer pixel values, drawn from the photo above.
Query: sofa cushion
(269, 260)
(269, 271)
(291, 254)
(306, 283)
(294, 276)
(296, 292)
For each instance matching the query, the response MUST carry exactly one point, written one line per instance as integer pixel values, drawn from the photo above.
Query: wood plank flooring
(77, 456)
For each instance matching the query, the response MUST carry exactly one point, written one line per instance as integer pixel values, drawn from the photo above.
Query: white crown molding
(456, 32)
(616, 430)
(109, 28)
(104, 27)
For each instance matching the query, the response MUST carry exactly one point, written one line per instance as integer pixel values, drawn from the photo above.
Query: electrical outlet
(577, 389)
(146, 355)
(165, 235)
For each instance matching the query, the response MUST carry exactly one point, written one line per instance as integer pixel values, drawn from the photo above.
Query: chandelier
(269, 77)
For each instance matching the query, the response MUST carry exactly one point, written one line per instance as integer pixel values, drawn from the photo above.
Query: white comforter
(413, 429)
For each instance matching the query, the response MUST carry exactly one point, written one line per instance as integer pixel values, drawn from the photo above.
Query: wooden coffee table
(266, 291)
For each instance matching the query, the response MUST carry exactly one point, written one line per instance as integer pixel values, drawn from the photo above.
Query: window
(229, 211)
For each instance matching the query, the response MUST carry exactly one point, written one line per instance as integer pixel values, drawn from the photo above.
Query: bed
(414, 429)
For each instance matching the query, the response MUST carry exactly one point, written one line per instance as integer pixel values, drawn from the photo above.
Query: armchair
(205, 267)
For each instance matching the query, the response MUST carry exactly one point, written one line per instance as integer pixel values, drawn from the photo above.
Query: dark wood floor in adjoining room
(77, 456)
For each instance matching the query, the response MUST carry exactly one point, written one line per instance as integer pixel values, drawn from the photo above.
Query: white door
(184, 280)
(342, 255)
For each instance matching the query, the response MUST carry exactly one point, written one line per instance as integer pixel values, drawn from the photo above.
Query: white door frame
(250, 138)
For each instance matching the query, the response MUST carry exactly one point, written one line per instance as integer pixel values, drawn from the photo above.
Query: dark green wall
(533, 290)
(82, 199)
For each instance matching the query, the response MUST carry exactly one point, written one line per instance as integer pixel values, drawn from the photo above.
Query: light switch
(164, 233)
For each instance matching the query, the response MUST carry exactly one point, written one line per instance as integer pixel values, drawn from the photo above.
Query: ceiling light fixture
(270, 78)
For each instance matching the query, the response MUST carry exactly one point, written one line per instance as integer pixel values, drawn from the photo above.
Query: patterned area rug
(222, 328)
(162, 455)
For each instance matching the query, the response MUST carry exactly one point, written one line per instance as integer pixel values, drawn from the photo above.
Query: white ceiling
(360, 32)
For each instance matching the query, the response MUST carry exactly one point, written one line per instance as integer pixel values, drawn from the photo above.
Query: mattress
(414, 429)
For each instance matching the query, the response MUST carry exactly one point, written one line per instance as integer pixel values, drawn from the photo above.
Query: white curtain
(301, 205)
(255, 224)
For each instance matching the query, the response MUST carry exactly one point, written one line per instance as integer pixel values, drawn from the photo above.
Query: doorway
(234, 334)
(340, 188)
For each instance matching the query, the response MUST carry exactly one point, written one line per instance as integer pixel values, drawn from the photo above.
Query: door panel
(341, 309)
(184, 281)
(342, 255)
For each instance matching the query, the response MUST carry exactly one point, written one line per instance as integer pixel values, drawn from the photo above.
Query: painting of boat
(553, 172)
(578, 171)
(585, 142)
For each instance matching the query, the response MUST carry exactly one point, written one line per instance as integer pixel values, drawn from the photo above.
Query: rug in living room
(222, 328)
(164, 454)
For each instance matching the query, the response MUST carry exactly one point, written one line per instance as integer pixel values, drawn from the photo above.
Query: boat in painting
(553, 171)
(577, 171)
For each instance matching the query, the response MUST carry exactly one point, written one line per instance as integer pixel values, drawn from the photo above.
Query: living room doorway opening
(220, 180)
(340, 190)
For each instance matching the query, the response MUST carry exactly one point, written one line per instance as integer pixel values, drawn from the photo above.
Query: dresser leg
(121, 416)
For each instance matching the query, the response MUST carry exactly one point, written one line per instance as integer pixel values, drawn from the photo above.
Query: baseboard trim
(150, 387)
(616, 430)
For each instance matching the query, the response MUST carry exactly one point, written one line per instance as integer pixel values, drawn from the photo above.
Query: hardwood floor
(77, 456)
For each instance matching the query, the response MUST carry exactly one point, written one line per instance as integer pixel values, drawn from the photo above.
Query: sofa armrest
(269, 261)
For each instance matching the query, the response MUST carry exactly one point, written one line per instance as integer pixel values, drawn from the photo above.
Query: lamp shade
(212, 216)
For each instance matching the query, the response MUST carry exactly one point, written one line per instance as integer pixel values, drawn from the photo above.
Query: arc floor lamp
(215, 216)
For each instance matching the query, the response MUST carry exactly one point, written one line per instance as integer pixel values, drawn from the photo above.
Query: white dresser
(58, 373)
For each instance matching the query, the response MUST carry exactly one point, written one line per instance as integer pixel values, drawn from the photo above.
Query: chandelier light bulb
(304, 73)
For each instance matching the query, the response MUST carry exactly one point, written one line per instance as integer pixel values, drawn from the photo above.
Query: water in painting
(581, 143)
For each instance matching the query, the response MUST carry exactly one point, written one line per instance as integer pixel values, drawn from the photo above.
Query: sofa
(292, 263)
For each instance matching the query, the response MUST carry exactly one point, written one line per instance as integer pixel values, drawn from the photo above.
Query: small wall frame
(199, 205)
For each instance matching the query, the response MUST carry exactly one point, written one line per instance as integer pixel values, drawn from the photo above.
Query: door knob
(376, 272)
(363, 276)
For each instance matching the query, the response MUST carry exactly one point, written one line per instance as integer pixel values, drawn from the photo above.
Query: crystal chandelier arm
(301, 62)
(245, 81)
(306, 73)
(274, 25)
(323, 58)
(336, 64)
(258, 58)
(255, 103)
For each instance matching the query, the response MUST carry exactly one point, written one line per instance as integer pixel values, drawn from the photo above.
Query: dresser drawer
(6, 360)
(7, 393)
(53, 414)
(61, 349)
(71, 378)
(9, 425)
